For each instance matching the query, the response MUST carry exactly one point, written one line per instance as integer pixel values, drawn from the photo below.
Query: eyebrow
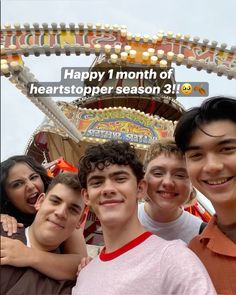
(179, 169)
(222, 142)
(21, 179)
(59, 199)
(97, 176)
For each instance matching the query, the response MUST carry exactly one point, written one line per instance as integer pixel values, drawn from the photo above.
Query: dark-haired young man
(207, 136)
(133, 261)
(58, 215)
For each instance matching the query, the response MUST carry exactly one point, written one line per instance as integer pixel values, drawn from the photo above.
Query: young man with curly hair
(133, 261)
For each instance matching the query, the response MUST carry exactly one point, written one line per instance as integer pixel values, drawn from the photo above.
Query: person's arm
(75, 244)
(62, 266)
(56, 266)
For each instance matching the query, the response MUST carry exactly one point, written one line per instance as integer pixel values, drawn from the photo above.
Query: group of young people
(143, 252)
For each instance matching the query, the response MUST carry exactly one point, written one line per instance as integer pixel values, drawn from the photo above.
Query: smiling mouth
(110, 202)
(167, 195)
(218, 181)
(56, 224)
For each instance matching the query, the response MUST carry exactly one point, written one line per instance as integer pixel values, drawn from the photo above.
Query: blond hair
(166, 146)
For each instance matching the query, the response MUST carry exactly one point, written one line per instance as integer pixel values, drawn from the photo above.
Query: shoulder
(177, 250)
(192, 217)
(141, 211)
(140, 207)
(164, 247)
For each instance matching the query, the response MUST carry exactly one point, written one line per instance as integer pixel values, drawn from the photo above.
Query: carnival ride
(69, 127)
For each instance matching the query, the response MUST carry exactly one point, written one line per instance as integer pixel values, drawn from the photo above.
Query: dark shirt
(28, 281)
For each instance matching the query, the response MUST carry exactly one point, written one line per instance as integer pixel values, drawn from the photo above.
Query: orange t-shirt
(218, 253)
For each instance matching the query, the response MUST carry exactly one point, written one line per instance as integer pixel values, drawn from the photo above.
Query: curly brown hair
(109, 153)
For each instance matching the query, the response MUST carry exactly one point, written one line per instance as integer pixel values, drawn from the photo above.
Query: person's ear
(85, 196)
(142, 189)
(82, 219)
(39, 201)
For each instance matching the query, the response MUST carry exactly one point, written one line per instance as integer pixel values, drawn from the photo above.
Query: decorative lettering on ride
(52, 38)
(120, 114)
(124, 125)
(133, 138)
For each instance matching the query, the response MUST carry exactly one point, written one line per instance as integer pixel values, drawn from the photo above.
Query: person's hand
(9, 224)
(14, 252)
(84, 261)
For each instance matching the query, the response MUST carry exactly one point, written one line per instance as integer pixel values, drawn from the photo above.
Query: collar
(216, 240)
(135, 242)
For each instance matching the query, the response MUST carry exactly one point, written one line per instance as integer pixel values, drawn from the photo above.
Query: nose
(61, 211)
(108, 188)
(213, 164)
(168, 181)
(29, 184)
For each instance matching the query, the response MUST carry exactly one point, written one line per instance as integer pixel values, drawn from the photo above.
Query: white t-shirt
(185, 227)
(28, 244)
(147, 265)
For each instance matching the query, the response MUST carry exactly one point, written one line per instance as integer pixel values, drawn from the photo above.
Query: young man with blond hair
(168, 189)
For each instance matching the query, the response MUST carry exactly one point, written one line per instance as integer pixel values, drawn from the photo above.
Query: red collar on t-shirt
(135, 242)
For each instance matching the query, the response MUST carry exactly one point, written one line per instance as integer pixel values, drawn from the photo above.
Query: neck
(225, 215)
(35, 242)
(161, 215)
(117, 236)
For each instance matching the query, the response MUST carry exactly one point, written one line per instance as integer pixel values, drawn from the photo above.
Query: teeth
(167, 194)
(220, 181)
(34, 195)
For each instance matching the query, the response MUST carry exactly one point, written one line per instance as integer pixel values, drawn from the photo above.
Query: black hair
(109, 153)
(213, 109)
(6, 206)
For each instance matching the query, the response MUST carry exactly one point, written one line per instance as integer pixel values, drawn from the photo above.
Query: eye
(34, 176)
(95, 183)
(228, 149)
(17, 184)
(74, 210)
(194, 156)
(54, 201)
(157, 173)
(180, 175)
(121, 179)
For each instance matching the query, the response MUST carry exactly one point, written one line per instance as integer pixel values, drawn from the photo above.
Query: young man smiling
(133, 261)
(207, 136)
(58, 215)
(168, 189)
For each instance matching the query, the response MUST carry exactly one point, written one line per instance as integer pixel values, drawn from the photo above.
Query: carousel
(139, 118)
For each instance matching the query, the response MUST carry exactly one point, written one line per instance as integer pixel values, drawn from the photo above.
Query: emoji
(186, 88)
(200, 89)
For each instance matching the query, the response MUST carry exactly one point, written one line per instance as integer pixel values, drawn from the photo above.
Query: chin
(110, 221)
